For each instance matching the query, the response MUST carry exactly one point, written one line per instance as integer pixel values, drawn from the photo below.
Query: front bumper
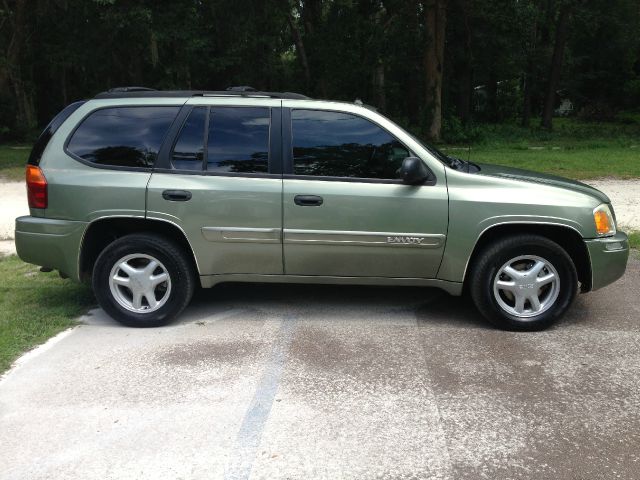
(609, 257)
(50, 243)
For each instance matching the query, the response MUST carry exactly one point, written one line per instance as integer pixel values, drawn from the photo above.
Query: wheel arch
(567, 237)
(102, 232)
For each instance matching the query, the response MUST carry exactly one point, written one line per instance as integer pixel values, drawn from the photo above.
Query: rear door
(220, 181)
(345, 211)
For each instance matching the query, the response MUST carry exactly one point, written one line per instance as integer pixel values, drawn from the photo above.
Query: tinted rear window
(238, 140)
(49, 130)
(122, 136)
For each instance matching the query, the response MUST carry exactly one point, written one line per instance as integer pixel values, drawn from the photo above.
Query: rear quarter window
(122, 136)
(49, 130)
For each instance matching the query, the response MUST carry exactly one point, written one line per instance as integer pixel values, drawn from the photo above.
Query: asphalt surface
(301, 382)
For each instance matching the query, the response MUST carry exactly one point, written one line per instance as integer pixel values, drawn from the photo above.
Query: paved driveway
(305, 382)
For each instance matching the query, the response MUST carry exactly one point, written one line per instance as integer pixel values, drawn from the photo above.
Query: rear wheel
(143, 280)
(523, 282)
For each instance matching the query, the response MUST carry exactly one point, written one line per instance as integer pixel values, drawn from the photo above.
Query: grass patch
(634, 240)
(13, 159)
(574, 148)
(35, 306)
(575, 162)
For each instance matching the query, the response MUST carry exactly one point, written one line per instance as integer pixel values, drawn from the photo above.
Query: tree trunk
(492, 97)
(465, 83)
(378, 85)
(526, 95)
(527, 79)
(153, 50)
(435, 23)
(63, 85)
(556, 66)
(413, 75)
(302, 53)
(413, 95)
(26, 114)
(310, 14)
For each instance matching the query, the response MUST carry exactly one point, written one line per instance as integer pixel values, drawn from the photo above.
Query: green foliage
(455, 132)
(496, 50)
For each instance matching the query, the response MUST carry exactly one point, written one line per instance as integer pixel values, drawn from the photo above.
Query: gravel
(625, 197)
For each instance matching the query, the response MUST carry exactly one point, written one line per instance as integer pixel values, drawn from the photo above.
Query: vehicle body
(312, 202)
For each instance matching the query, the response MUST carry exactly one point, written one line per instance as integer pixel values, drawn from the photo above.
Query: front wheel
(523, 282)
(143, 280)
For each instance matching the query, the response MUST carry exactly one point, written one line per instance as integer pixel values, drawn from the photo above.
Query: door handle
(308, 200)
(176, 195)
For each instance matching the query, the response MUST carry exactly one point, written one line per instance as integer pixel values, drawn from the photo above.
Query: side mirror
(413, 171)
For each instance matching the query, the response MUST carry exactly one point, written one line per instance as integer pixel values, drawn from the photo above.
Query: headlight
(603, 218)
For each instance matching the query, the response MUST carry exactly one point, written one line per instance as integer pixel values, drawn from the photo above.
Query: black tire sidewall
(169, 254)
(496, 257)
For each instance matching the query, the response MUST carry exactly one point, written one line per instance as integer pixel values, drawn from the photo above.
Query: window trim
(287, 146)
(205, 173)
(329, 178)
(121, 167)
(166, 162)
(164, 155)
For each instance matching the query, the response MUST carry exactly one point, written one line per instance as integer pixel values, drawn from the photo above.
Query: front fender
(477, 204)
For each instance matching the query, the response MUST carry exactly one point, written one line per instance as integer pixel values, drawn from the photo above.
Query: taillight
(36, 187)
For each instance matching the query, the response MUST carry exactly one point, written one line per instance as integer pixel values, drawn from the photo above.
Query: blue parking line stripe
(248, 439)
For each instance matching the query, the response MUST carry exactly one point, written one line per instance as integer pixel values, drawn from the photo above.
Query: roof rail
(143, 92)
(131, 89)
(241, 89)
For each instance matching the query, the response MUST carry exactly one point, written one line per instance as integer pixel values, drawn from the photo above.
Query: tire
(125, 267)
(508, 275)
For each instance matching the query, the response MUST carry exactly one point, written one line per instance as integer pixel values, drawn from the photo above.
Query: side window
(334, 144)
(49, 130)
(238, 140)
(188, 152)
(122, 136)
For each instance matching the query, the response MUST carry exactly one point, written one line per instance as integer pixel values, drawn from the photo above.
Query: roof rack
(131, 89)
(243, 91)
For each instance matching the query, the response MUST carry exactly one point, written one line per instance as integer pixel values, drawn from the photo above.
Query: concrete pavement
(300, 382)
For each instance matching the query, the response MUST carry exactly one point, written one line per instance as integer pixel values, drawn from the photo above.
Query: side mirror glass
(413, 171)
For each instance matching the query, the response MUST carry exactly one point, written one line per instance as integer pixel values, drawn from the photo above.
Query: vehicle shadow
(328, 303)
(429, 306)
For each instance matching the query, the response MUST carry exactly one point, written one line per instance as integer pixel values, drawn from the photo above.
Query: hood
(543, 178)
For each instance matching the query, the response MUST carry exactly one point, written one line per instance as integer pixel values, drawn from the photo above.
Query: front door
(345, 211)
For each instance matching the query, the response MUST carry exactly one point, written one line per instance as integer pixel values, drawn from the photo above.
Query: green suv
(147, 194)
